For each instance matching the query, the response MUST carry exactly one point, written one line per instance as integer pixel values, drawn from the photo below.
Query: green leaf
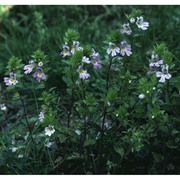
(15, 64)
(114, 37)
(90, 100)
(157, 157)
(89, 142)
(135, 13)
(39, 56)
(119, 150)
(70, 36)
(171, 145)
(74, 156)
(87, 50)
(112, 95)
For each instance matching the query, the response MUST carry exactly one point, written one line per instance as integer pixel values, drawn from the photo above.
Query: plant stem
(70, 111)
(105, 109)
(26, 119)
(35, 98)
(104, 114)
(107, 88)
(84, 106)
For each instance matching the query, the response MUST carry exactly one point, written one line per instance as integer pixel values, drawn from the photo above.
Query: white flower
(132, 20)
(83, 74)
(97, 136)
(154, 88)
(49, 130)
(14, 149)
(66, 51)
(141, 24)
(94, 53)
(3, 107)
(164, 74)
(113, 49)
(125, 48)
(20, 156)
(48, 144)
(29, 67)
(141, 96)
(108, 103)
(11, 80)
(86, 60)
(155, 62)
(26, 136)
(31, 62)
(78, 132)
(147, 92)
(126, 29)
(76, 47)
(13, 140)
(40, 64)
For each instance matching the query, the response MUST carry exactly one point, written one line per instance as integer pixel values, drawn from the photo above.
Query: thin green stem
(35, 97)
(104, 114)
(25, 115)
(71, 107)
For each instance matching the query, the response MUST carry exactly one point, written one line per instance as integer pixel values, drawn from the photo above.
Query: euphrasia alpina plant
(110, 108)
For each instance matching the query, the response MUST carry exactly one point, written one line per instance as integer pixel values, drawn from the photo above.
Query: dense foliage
(89, 89)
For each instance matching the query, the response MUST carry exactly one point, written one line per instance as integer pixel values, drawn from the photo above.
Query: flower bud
(40, 64)
(132, 20)
(141, 96)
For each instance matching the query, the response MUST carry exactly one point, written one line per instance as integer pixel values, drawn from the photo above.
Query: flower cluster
(67, 51)
(139, 22)
(123, 49)
(156, 64)
(11, 80)
(38, 74)
(93, 59)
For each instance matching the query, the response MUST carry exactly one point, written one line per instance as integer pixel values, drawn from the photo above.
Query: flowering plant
(110, 108)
